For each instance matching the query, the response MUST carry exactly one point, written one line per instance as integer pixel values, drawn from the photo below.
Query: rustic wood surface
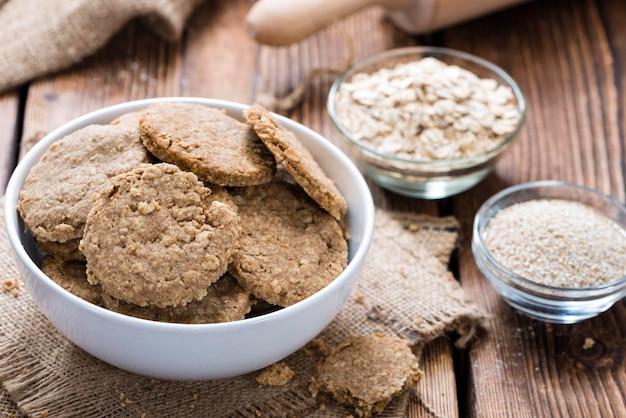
(569, 58)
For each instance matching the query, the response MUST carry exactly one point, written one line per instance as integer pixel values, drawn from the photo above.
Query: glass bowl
(421, 177)
(563, 305)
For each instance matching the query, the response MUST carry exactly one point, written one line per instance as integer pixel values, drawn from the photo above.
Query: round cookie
(71, 276)
(216, 147)
(225, 301)
(58, 192)
(155, 238)
(297, 160)
(289, 247)
(367, 372)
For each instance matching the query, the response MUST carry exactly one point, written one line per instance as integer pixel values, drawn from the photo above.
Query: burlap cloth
(404, 289)
(42, 36)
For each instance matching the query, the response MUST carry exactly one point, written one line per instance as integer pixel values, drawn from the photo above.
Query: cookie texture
(216, 147)
(58, 192)
(221, 194)
(289, 247)
(65, 250)
(225, 301)
(128, 119)
(367, 372)
(297, 160)
(277, 374)
(71, 276)
(154, 238)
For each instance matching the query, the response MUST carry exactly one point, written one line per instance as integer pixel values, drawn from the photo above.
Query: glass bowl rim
(425, 51)
(521, 282)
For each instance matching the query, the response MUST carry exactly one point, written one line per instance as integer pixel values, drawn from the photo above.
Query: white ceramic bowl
(184, 351)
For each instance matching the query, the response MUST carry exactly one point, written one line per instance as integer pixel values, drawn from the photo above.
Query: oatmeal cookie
(289, 247)
(367, 372)
(65, 250)
(297, 160)
(225, 301)
(71, 276)
(207, 142)
(154, 238)
(220, 194)
(128, 119)
(58, 192)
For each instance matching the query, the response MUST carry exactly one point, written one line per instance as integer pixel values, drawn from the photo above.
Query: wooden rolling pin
(282, 22)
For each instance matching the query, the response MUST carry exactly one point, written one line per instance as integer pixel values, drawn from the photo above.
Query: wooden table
(569, 57)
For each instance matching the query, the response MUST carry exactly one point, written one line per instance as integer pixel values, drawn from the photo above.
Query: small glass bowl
(433, 179)
(547, 303)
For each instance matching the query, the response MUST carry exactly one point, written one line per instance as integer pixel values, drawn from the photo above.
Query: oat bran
(558, 243)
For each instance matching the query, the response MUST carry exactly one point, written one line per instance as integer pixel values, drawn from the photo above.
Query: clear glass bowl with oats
(426, 122)
(554, 251)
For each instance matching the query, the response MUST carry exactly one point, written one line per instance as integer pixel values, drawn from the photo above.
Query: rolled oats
(427, 110)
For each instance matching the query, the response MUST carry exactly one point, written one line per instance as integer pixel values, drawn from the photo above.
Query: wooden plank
(219, 57)
(564, 64)
(437, 391)
(612, 13)
(9, 111)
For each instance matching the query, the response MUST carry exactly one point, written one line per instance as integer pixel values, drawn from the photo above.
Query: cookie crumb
(374, 313)
(11, 286)
(278, 374)
(589, 342)
(319, 344)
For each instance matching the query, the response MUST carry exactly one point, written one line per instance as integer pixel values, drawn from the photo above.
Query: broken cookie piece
(277, 374)
(367, 372)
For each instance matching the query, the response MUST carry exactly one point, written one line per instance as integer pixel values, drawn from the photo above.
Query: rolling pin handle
(283, 22)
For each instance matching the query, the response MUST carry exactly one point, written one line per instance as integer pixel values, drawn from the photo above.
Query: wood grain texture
(436, 392)
(574, 132)
(219, 58)
(9, 123)
(135, 64)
